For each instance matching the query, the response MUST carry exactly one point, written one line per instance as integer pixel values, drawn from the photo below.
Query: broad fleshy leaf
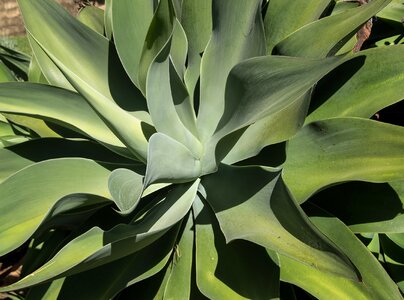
(283, 17)
(56, 105)
(126, 188)
(27, 205)
(366, 83)
(343, 149)
(237, 34)
(170, 161)
(98, 247)
(375, 282)
(218, 264)
(93, 17)
(130, 20)
(259, 194)
(98, 61)
(326, 36)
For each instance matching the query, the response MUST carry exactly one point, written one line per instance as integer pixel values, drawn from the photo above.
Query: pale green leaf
(131, 20)
(158, 35)
(170, 161)
(126, 188)
(166, 100)
(97, 61)
(29, 194)
(97, 247)
(196, 20)
(93, 17)
(56, 105)
(238, 34)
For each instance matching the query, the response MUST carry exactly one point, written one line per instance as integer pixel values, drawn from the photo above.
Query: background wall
(11, 22)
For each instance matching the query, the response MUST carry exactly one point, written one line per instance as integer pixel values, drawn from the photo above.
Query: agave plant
(203, 149)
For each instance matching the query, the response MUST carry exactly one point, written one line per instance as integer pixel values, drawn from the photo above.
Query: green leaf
(264, 86)
(196, 19)
(56, 105)
(106, 281)
(343, 149)
(170, 161)
(49, 69)
(131, 20)
(283, 17)
(174, 282)
(11, 163)
(220, 266)
(179, 271)
(179, 48)
(126, 188)
(276, 128)
(158, 35)
(97, 247)
(358, 205)
(375, 283)
(97, 61)
(5, 74)
(166, 101)
(108, 19)
(93, 17)
(330, 33)
(35, 74)
(259, 194)
(378, 72)
(393, 12)
(238, 34)
(29, 194)
(17, 61)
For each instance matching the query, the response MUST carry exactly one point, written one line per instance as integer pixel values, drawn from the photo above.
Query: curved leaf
(27, 205)
(263, 86)
(158, 35)
(130, 21)
(343, 149)
(125, 187)
(98, 62)
(329, 33)
(170, 162)
(283, 17)
(279, 224)
(379, 74)
(97, 247)
(358, 205)
(219, 265)
(375, 283)
(93, 17)
(57, 105)
(196, 20)
(238, 34)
